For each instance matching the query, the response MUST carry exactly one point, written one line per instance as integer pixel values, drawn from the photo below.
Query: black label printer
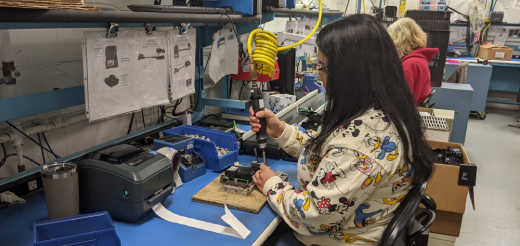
(125, 180)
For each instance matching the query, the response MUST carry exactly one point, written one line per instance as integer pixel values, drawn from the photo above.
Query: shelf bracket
(13, 74)
(112, 30)
(148, 28)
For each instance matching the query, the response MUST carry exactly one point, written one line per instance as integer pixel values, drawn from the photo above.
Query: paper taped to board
(182, 63)
(237, 229)
(224, 53)
(126, 73)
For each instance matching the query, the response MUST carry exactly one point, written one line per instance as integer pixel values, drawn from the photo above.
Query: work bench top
(16, 222)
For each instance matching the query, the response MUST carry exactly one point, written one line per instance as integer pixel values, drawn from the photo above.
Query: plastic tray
(82, 230)
(208, 149)
(186, 174)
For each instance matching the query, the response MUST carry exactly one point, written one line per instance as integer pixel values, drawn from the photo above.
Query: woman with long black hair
(368, 154)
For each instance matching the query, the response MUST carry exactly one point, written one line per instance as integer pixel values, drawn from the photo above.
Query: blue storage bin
(82, 230)
(309, 84)
(208, 149)
(186, 174)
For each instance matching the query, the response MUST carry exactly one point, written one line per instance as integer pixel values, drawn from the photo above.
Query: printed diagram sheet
(110, 85)
(151, 68)
(182, 57)
(124, 74)
(224, 53)
(290, 27)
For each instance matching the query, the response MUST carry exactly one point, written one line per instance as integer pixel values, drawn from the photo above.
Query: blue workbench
(456, 97)
(16, 222)
(479, 77)
(504, 79)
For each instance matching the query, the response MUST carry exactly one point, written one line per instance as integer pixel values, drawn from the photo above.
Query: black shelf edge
(465, 24)
(270, 10)
(16, 15)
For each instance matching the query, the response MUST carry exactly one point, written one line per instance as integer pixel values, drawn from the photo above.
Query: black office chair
(426, 102)
(407, 229)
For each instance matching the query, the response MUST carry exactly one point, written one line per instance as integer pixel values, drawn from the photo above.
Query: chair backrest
(426, 102)
(404, 215)
(460, 74)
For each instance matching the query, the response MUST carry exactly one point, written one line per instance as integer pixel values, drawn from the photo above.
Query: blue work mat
(17, 221)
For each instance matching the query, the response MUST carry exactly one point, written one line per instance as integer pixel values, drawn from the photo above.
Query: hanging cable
(40, 141)
(346, 8)
(142, 114)
(23, 133)
(364, 10)
(4, 160)
(47, 142)
(266, 44)
(485, 30)
(130, 125)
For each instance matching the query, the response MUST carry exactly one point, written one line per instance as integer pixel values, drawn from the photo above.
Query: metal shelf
(76, 16)
(282, 11)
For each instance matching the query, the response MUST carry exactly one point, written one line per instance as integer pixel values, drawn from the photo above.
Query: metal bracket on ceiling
(148, 28)
(13, 74)
(183, 28)
(112, 30)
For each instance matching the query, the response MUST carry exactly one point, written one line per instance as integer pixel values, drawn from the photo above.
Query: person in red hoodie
(410, 41)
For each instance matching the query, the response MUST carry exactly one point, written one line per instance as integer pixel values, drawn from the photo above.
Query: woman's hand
(262, 175)
(274, 126)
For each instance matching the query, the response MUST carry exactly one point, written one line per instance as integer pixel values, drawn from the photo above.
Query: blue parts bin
(208, 149)
(184, 145)
(125, 180)
(309, 84)
(87, 229)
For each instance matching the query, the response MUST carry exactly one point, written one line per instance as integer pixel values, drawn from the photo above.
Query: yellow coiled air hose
(267, 47)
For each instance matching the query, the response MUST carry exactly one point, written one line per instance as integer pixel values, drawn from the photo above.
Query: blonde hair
(407, 36)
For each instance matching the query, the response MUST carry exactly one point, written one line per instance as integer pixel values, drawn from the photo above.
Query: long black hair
(364, 72)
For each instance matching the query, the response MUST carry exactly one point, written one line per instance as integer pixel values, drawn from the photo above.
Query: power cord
(131, 123)
(142, 114)
(47, 142)
(43, 155)
(4, 160)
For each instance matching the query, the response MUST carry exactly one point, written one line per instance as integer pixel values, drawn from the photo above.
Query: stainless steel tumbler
(61, 189)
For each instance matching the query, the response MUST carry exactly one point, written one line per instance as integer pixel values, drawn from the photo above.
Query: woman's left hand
(262, 175)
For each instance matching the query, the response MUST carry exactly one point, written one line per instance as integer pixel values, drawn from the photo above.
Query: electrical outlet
(32, 185)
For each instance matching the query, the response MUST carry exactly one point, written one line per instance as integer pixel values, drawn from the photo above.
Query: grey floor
(495, 148)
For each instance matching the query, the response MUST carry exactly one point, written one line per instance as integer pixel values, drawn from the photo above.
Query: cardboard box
(438, 134)
(436, 239)
(446, 223)
(495, 52)
(448, 195)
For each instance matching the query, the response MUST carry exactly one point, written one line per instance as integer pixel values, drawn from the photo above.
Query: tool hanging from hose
(263, 61)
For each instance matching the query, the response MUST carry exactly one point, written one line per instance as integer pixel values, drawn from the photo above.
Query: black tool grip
(261, 136)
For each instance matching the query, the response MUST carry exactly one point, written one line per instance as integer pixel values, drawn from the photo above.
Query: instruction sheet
(290, 26)
(151, 68)
(110, 85)
(224, 53)
(182, 68)
(501, 36)
(124, 74)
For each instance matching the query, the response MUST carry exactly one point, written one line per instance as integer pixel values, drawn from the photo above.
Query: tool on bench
(257, 100)
(262, 62)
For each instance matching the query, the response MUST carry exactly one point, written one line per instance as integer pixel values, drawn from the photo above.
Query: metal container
(61, 189)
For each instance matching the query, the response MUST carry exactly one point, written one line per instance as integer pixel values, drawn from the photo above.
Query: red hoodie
(417, 72)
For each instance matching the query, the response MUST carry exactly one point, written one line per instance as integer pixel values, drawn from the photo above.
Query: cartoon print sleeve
(293, 139)
(335, 198)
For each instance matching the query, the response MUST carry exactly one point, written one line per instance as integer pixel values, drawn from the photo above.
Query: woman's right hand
(274, 126)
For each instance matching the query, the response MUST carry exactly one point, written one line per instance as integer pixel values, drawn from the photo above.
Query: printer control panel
(123, 154)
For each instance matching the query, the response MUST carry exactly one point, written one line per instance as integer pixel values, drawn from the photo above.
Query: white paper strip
(237, 229)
